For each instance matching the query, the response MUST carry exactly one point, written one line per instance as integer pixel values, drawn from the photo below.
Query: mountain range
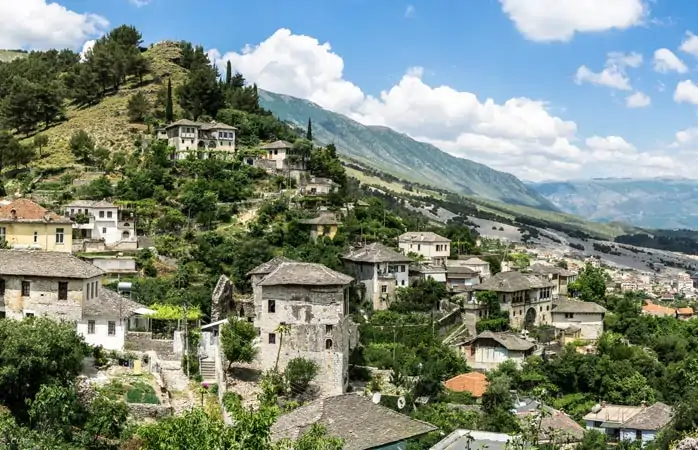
(401, 156)
(648, 203)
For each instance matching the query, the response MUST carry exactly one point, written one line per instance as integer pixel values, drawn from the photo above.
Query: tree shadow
(245, 374)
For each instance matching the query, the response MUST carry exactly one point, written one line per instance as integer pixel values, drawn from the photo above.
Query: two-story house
(526, 297)
(381, 269)
(560, 277)
(63, 287)
(102, 220)
(478, 265)
(324, 224)
(434, 249)
(319, 186)
(302, 310)
(460, 276)
(586, 316)
(27, 225)
(488, 349)
(629, 423)
(277, 151)
(202, 139)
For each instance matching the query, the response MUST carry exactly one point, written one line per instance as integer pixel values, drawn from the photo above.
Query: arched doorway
(125, 235)
(530, 319)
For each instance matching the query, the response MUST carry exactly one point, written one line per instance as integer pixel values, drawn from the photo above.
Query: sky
(543, 89)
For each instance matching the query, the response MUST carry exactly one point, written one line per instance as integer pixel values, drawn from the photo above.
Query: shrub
(299, 373)
(142, 393)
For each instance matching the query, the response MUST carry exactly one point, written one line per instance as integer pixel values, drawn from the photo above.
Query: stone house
(460, 276)
(478, 265)
(629, 423)
(105, 221)
(381, 270)
(319, 186)
(560, 277)
(302, 310)
(433, 248)
(360, 423)
(201, 139)
(489, 349)
(27, 225)
(586, 316)
(324, 224)
(527, 297)
(277, 151)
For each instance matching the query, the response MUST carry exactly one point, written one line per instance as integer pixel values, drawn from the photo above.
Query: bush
(232, 401)
(142, 393)
(299, 373)
(99, 356)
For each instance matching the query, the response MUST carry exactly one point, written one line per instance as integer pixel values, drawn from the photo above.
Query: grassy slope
(9, 55)
(108, 120)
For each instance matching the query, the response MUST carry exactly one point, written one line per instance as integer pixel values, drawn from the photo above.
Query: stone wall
(43, 298)
(140, 411)
(144, 342)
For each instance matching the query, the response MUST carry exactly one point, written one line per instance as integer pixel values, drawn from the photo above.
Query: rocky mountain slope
(401, 156)
(647, 203)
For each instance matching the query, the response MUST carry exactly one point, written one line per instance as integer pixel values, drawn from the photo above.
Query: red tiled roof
(657, 310)
(473, 382)
(26, 210)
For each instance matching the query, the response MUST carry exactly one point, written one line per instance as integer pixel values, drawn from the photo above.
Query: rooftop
(25, 210)
(512, 282)
(203, 125)
(376, 253)
(36, 263)
(110, 304)
(361, 423)
(268, 266)
(422, 236)
(474, 382)
(653, 417)
(544, 269)
(457, 267)
(277, 145)
(301, 274)
(613, 414)
(510, 341)
(324, 218)
(473, 261)
(473, 440)
(90, 204)
(576, 306)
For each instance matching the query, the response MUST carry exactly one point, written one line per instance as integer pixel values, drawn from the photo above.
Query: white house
(277, 151)
(381, 269)
(105, 221)
(433, 248)
(488, 349)
(629, 423)
(202, 139)
(319, 186)
(459, 276)
(587, 316)
(480, 266)
(105, 319)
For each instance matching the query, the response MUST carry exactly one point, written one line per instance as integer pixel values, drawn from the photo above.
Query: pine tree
(169, 114)
(309, 132)
(228, 74)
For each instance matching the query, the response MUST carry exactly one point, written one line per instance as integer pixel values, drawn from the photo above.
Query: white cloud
(559, 20)
(666, 61)
(140, 3)
(686, 92)
(519, 135)
(86, 48)
(685, 137)
(410, 11)
(614, 73)
(690, 44)
(36, 24)
(637, 100)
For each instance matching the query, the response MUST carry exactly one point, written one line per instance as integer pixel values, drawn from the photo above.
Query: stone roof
(474, 382)
(473, 440)
(202, 125)
(543, 269)
(37, 263)
(456, 267)
(376, 253)
(576, 306)
(302, 274)
(474, 261)
(324, 218)
(322, 181)
(651, 418)
(182, 123)
(90, 204)
(276, 145)
(510, 341)
(617, 414)
(216, 126)
(361, 423)
(422, 236)
(268, 266)
(558, 426)
(512, 282)
(109, 304)
(27, 211)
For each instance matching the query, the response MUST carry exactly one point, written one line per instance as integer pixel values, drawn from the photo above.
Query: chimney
(13, 214)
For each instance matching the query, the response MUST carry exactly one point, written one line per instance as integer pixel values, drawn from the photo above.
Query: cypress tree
(228, 74)
(169, 114)
(309, 132)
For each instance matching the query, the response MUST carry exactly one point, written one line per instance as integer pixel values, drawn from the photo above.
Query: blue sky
(495, 49)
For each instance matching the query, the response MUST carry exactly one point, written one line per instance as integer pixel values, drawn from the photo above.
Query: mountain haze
(401, 156)
(649, 203)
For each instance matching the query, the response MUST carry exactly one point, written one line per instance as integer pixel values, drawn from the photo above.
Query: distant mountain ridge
(669, 203)
(401, 156)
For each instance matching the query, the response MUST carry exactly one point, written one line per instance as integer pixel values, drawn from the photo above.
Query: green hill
(401, 156)
(9, 55)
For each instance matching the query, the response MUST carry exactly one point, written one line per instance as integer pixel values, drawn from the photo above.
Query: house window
(569, 315)
(328, 329)
(402, 282)
(25, 289)
(111, 328)
(62, 290)
(91, 327)
(109, 214)
(271, 306)
(419, 247)
(104, 230)
(101, 214)
(3, 233)
(328, 344)
(2, 287)
(272, 338)
(28, 315)
(59, 235)
(547, 308)
(384, 289)
(36, 237)
(402, 268)
(638, 435)
(96, 289)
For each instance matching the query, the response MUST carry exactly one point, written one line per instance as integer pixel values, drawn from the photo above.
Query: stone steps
(207, 368)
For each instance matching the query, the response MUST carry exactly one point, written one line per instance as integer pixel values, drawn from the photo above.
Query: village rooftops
(26, 211)
(512, 282)
(422, 237)
(302, 274)
(277, 145)
(510, 341)
(376, 253)
(354, 418)
(110, 304)
(33, 263)
(576, 306)
(473, 382)
(201, 125)
(324, 218)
